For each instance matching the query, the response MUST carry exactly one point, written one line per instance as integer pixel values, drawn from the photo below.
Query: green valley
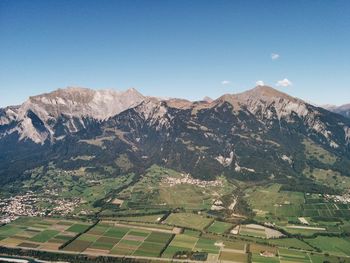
(143, 217)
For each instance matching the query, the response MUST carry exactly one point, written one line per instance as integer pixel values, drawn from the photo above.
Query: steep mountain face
(50, 116)
(258, 134)
(343, 110)
(279, 109)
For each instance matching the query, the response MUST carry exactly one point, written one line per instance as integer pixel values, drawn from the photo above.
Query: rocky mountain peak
(263, 96)
(83, 102)
(77, 94)
(275, 109)
(70, 106)
(265, 93)
(236, 133)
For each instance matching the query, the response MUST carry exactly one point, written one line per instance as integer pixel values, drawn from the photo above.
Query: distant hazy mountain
(257, 134)
(343, 110)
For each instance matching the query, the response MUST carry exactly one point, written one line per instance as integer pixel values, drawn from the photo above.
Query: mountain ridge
(255, 134)
(68, 105)
(342, 110)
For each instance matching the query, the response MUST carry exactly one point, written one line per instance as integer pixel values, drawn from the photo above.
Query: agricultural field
(233, 256)
(317, 206)
(182, 242)
(40, 233)
(188, 220)
(219, 227)
(257, 258)
(145, 224)
(146, 219)
(286, 255)
(236, 245)
(290, 243)
(208, 245)
(115, 239)
(261, 253)
(258, 231)
(332, 245)
(319, 258)
(258, 248)
(233, 251)
(270, 201)
(322, 214)
(162, 189)
(291, 256)
(189, 242)
(193, 233)
(252, 230)
(305, 230)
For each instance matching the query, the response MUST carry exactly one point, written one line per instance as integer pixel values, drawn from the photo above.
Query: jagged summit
(51, 116)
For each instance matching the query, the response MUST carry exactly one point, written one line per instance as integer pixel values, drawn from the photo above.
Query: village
(30, 204)
(343, 199)
(187, 179)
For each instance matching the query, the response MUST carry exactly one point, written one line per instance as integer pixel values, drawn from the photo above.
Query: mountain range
(255, 135)
(343, 109)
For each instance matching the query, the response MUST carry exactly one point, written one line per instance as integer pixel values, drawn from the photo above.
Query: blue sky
(188, 49)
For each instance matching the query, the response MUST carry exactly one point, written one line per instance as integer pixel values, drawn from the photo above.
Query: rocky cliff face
(49, 116)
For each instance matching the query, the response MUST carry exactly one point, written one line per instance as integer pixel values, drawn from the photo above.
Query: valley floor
(165, 216)
(171, 239)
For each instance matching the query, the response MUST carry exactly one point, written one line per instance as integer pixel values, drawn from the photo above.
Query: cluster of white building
(64, 207)
(344, 199)
(187, 179)
(27, 204)
(19, 205)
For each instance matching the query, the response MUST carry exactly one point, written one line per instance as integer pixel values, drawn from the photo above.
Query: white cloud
(260, 83)
(225, 82)
(284, 83)
(275, 56)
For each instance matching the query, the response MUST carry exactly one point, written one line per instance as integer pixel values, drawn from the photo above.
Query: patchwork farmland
(193, 237)
(219, 227)
(40, 233)
(118, 238)
(188, 220)
(115, 239)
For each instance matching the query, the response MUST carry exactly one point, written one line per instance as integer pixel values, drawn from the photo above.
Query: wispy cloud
(284, 83)
(225, 82)
(275, 56)
(260, 83)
